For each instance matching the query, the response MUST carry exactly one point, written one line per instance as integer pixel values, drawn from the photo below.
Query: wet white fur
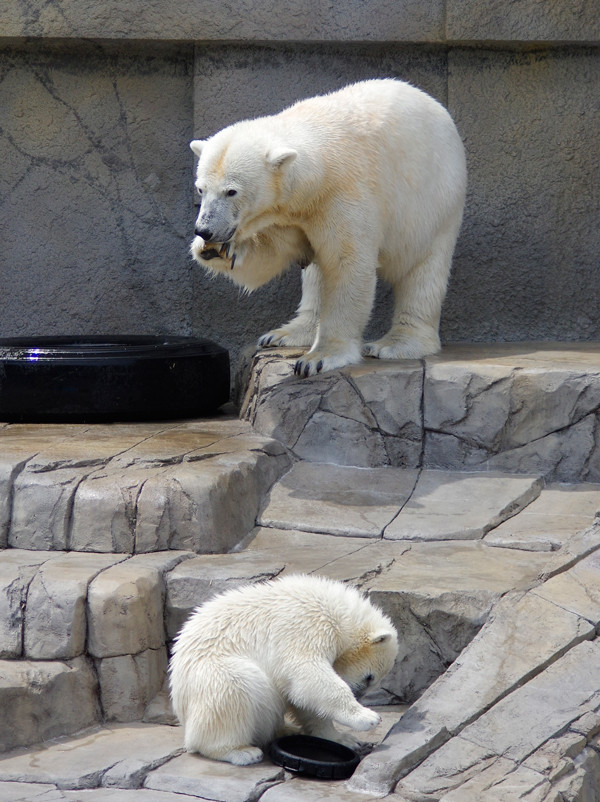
(368, 179)
(300, 644)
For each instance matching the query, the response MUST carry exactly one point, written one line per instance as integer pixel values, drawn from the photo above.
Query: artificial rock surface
(43, 699)
(101, 757)
(491, 577)
(464, 605)
(519, 407)
(149, 487)
(529, 653)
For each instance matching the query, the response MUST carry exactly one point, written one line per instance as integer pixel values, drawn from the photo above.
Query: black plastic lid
(314, 757)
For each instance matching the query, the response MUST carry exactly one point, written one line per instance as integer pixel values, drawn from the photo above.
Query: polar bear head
(239, 180)
(367, 661)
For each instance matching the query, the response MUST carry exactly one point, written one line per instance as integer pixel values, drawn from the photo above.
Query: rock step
(522, 699)
(88, 627)
(98, 626)
(524, 407)
(44, 699)
(199, 485)
(398, 504)
(141, 763)
(133, 488)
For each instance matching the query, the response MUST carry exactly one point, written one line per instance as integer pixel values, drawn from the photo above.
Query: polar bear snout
(205, 233)
(360, 688)
(217, 220)
(211, 236)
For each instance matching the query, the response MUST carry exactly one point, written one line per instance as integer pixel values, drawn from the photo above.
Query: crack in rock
(363, 579)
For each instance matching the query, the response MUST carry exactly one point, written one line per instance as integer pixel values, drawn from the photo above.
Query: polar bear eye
(199, 191)
(369, 679)
(231, 193)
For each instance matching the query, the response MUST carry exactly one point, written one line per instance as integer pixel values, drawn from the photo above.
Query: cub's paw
(364, 720)
(244, 756)
(362, 747)
(286, 337)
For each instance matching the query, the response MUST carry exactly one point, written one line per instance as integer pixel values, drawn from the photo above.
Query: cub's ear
(278, 156)
(196, 145)
(381, 637)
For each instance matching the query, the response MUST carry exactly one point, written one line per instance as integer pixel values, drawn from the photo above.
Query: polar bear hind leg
(231, 720)
(419, 295)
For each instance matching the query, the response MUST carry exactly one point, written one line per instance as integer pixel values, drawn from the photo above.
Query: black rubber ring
(111, 378)
(314, 757)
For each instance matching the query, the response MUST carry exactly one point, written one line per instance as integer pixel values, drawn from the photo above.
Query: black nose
(205, 233)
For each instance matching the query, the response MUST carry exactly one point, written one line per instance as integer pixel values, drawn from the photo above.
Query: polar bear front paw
(309, 367)
(286, 337)
(213, 255)
(407, 343)
(319, 361)
(380, 350)
(363, 720)
(346, 739)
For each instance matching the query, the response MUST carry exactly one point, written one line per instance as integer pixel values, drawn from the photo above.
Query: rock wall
(99, 100)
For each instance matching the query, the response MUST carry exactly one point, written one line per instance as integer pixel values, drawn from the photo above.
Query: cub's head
(238, 180)
(367, 661)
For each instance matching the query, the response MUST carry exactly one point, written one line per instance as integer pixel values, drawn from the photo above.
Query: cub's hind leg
(232, 711)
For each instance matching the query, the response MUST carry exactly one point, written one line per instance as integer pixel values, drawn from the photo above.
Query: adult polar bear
(367, 180)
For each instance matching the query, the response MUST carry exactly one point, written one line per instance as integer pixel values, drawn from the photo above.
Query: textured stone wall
(99, 100)
(94, 208)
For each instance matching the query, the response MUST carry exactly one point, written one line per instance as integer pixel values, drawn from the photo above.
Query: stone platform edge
(519, 407)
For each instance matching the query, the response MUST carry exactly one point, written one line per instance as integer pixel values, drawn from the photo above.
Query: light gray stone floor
(144, 762)
(491, 576)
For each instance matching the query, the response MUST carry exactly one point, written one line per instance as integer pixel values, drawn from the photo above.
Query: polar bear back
(383, 141)
(243, 621)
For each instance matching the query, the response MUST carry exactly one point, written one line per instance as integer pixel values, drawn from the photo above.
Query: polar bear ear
(196, 145)
(381, 637)
(278, 156)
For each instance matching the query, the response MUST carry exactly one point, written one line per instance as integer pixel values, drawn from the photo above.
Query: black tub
(128, 378)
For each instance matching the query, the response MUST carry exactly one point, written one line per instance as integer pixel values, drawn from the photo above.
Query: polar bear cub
(364, 181)
(303, 645)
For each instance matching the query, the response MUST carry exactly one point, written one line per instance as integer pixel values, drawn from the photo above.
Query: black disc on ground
(314, 757)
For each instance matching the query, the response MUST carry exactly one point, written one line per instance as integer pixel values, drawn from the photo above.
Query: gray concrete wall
(99, 100)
